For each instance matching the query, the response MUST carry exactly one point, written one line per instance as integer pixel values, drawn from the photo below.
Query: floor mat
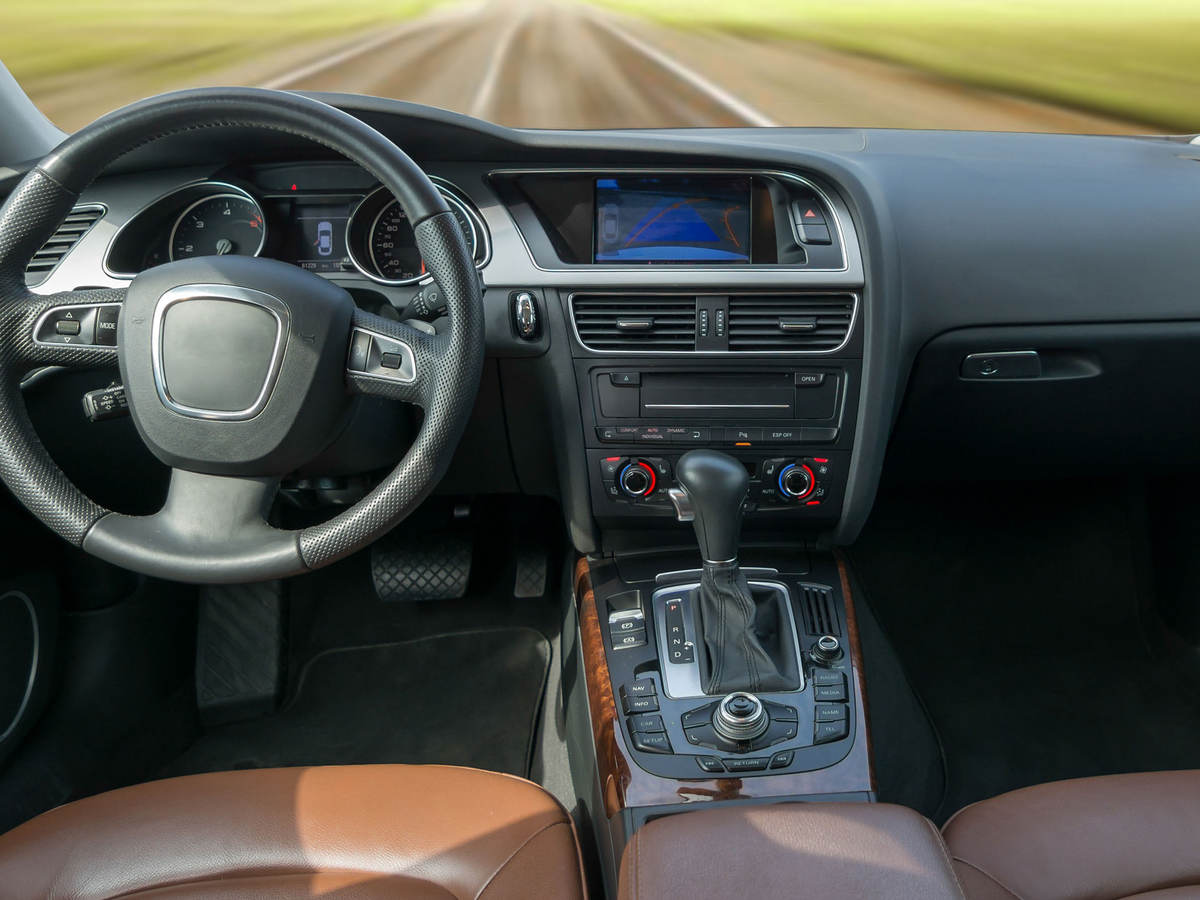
(1018, 624)
(467, 699)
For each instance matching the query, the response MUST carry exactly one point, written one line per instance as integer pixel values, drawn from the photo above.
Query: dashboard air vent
(817, 606)
(789, 322)
(77, 223)
(645, 322)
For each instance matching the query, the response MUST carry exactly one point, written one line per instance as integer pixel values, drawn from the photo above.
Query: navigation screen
(673, 219)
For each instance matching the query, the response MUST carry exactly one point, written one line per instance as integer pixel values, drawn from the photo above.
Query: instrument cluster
(326, 231)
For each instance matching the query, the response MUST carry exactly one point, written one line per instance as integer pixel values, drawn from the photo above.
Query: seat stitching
(637, 867)
(234, 874)
(937, 839)
(482, 890)
(988, 875)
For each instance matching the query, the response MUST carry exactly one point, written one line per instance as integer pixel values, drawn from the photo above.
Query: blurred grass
(163, 41)
(1133, 60)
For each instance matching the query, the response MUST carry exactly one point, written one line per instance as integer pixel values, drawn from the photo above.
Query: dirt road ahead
(561, 64)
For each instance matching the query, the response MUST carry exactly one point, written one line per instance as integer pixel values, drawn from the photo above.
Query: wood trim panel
(625, 785)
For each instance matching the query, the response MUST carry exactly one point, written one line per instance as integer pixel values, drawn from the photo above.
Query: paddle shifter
(712, 495)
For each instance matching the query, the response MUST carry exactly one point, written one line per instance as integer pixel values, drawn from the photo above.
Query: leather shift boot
(737, 660)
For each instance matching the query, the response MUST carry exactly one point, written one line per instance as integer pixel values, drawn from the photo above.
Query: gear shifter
(713, 490)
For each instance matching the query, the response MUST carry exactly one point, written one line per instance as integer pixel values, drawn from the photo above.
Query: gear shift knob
(716, 485)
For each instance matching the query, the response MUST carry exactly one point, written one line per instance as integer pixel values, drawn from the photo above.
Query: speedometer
(219, 225)
(391, 247)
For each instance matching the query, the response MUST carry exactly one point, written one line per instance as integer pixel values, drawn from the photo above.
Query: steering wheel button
(106, 325)
(360, 352)
(391, 360)
(66, 326)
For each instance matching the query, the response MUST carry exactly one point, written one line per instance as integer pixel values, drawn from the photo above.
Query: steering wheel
(237, 370)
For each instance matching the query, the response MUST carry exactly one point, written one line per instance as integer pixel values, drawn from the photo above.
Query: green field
(164, 41)
(1133, 60)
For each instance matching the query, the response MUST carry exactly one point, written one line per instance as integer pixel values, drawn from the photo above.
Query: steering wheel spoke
(211, 529)
(73, 328)
(392, 360)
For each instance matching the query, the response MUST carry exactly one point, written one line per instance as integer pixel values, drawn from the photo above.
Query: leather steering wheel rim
(212, 528)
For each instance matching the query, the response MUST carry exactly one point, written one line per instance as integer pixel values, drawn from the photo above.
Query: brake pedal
(407, 568)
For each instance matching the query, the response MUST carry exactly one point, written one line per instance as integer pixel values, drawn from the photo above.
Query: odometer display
(219, 225)
(393, 246)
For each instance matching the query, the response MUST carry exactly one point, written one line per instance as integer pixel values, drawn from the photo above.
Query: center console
(722, 667)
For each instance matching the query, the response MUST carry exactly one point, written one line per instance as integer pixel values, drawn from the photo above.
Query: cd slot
(732, 397)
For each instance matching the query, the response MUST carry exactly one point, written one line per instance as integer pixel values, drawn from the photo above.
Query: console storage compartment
(801, 851)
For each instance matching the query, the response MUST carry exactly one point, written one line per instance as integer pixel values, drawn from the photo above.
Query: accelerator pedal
(406, 567)
(239, 651)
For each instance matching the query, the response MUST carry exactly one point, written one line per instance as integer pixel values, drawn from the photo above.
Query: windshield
(1106, 66)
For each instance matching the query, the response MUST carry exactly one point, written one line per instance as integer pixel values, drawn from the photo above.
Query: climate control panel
(637, 485)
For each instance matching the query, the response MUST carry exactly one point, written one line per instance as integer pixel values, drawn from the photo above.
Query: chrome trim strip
(717, 406)
(90, 206)
(183, 293)
(382, 339)
(37, 326)
(855, 295)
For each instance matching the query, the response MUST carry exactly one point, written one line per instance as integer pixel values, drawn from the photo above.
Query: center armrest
(798, 851)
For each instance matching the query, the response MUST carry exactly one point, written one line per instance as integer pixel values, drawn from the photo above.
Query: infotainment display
(673, 219)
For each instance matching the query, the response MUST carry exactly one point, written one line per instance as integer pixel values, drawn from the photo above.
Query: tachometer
(391, 247)
(219, 225)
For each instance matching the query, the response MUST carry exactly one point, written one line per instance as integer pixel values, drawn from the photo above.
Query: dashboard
(830, 306)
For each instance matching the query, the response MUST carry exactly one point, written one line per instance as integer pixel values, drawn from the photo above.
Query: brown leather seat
(1121, 836)
(332, 832)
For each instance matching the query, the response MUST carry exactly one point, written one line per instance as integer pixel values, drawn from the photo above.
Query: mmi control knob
(740, 716)
(637, 479)
(796, 480)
